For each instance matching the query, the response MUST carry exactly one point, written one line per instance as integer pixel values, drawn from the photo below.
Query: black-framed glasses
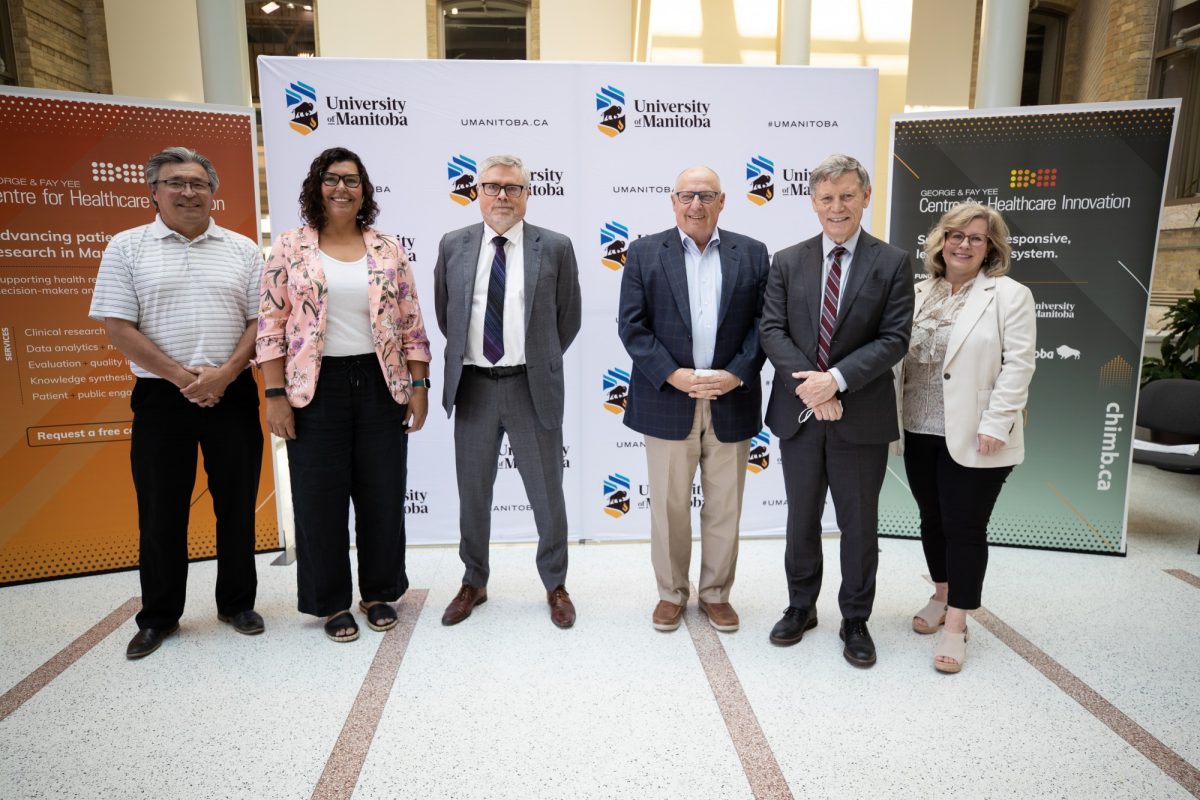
(705, 197)
(511, 190)
(332, 179)
(176, 185)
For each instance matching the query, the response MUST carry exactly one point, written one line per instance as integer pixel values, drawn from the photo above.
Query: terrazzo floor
(1082, 680)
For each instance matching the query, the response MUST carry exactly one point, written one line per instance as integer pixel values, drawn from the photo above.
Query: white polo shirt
(191, 298)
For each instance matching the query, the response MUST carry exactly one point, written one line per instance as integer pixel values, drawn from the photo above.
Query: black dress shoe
(791, 628)
(147, 641)
(859, 649)
(248, 622)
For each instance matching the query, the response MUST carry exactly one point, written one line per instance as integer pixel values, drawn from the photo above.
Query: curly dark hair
(312, 204)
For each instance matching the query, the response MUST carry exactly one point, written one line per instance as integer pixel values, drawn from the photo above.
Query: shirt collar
(161, 231)
(689, 244)
(850, 244)
(514, 235)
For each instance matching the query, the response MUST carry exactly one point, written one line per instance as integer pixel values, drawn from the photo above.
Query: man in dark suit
(837, 316)
(508, 302)
(691, 297)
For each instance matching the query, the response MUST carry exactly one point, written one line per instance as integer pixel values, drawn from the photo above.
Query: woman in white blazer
(961, 392)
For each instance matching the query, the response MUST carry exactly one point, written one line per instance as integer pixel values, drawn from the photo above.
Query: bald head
(696, 218)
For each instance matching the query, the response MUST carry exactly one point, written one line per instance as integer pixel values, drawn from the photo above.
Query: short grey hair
(179, 155)
(506, 160)
(834, 167)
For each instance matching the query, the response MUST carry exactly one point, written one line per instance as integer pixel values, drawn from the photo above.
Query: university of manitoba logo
(760, 180)
(616, 390)
(301, 101)
(616, 495)
(461, 172)
(1041, 178)
(760, 453)
(610, 103)
(614, 238)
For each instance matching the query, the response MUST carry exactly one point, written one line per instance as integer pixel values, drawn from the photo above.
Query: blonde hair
(997, 260)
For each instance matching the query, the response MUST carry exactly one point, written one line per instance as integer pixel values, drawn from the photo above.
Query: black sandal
(340, 622)
(380, 617)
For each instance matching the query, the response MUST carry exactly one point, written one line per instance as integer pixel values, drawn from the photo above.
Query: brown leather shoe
(721, 616)
(667, 616)
(562, 610)
(463, 603)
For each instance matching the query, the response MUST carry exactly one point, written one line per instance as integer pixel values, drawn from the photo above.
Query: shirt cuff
(837, 376)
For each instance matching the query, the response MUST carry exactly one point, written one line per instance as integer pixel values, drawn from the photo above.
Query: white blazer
(986, 372)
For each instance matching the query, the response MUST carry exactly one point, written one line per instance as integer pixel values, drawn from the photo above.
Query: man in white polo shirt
(179, 298)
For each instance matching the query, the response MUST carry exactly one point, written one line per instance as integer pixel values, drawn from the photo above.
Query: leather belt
(496, 373)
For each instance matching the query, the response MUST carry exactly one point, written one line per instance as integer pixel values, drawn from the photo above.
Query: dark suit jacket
(870, 335)
(656, 327)
(552, 310)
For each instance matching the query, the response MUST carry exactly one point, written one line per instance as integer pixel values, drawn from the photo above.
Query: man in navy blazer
(836, 318)
(691, 298)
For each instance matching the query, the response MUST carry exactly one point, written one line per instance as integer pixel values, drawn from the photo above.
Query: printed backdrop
(72, 174)
(1081, 188)
(604, 144)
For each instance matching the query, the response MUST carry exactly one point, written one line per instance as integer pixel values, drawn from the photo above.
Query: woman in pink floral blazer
(342, 347)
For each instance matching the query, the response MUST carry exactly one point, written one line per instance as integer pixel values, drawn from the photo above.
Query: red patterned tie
(829, 308)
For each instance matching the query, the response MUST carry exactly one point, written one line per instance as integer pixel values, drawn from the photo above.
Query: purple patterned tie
(493, 317)
(829, 308)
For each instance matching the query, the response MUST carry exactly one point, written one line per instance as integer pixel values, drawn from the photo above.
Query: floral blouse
(924, 404)
(291, 319)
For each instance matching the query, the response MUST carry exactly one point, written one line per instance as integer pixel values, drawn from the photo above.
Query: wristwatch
(421, 383)
(275, 392)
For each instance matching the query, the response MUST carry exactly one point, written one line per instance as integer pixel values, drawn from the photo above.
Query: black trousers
(815, 459)
(350, 446)
(956, 503)
(167, 428)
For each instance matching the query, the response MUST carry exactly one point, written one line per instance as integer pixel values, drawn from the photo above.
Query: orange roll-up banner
(72, 175)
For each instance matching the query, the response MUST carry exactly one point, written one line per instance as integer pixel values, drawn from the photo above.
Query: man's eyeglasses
(511, 190)
(199, 187)
(705, 197)
(956, 238)
(331, 180)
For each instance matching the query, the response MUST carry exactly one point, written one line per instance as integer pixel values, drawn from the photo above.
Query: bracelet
(275, 392)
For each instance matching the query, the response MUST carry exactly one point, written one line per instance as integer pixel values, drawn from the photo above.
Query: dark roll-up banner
(1081, 188)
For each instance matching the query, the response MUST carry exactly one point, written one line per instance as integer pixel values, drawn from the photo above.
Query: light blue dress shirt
(704, 295)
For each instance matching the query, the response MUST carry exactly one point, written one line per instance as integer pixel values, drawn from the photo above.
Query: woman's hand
(989, 444)
(418, 408)
(280, 420)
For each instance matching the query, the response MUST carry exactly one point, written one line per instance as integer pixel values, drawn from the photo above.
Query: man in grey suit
(837, 316)
(508, 302)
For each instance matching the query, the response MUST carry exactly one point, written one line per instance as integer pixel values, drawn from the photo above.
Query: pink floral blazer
(291, 319)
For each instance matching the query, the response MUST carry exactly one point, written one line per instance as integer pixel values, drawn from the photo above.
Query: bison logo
(614, 238)
(1067, 352)
(461, 171)
(610, 102)
(760, 175)
(760, 453)
(300, 100)
(615, 385)
(616, 495)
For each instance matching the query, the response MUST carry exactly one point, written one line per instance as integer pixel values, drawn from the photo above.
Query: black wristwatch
(277, 392)
(421, 383)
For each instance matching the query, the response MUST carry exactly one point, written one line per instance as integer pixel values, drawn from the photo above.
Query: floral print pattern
(291, 320)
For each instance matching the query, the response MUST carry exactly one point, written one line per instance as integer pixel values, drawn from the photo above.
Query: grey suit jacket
(871, 334)
(552, 310)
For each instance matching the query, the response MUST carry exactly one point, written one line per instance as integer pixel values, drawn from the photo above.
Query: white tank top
(347, 308)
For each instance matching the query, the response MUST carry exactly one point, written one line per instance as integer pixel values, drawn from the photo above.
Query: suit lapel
(860, 266)
(676, 272)
(811, 265)
(730, 263)
(532, 251)
(465, 264)
(983, 292)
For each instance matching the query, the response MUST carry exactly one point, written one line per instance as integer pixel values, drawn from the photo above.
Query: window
(278, 29)
(1044, 39)
(486, 29)
(1176, 75)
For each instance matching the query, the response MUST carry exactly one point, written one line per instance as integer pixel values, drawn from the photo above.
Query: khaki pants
(672, 466)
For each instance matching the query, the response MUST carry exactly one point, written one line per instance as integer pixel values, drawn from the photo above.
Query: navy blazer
(655, 326)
